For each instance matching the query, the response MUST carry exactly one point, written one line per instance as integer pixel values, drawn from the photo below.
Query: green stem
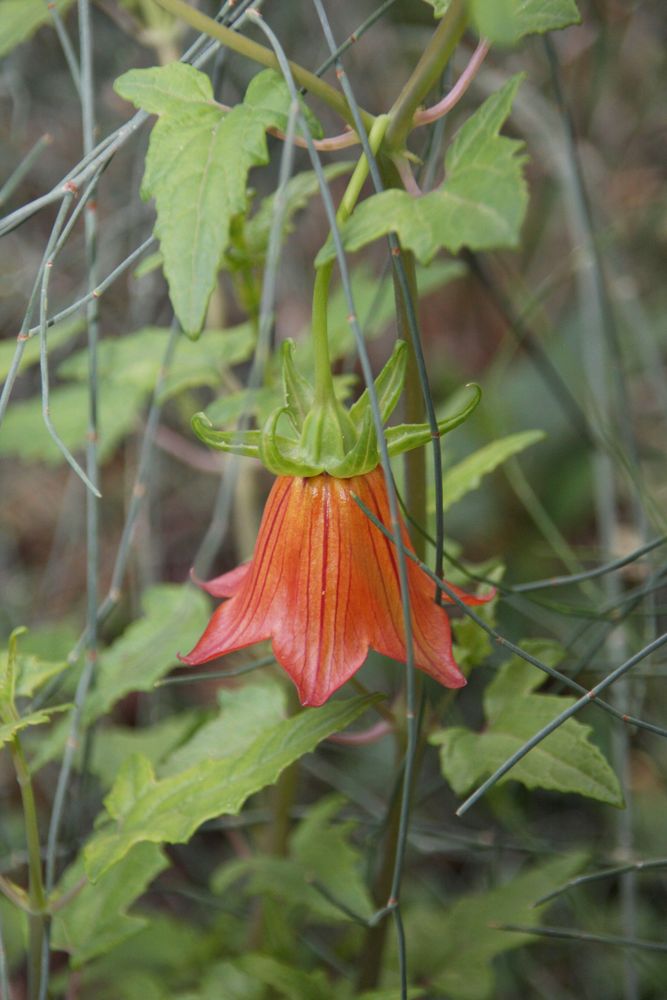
(264, 56)
(414, 461)
(36, 894)
(426, 73)
(322, 358)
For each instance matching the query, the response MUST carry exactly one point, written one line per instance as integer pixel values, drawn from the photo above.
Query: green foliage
(480, 204)
(24, 435)
(37, 718)
(95, 919)
(196, 169)
(141, 808)
(268, 92)
(31, 672)
(456, 950)
(174, 616)
(114, 744)
(19, 19)
(465, 476)
(507, 21)
(566, 761)
(243, 715)
(320, 854)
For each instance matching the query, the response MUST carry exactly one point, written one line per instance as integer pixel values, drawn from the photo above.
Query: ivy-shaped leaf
(197, 165)
(480, 204)
(142, 808)
(566, 761)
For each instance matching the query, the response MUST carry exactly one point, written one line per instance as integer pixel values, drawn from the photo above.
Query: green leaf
(319, 851)
(472, 645)
(19, 19)
(566, 761)
(56, 337)
(175, 616)
(466, 476)
(24, 435)
(166, 90)
(268, 91)
(456, 950)
(135, 360)
(480, 204)
(243, 715)
(506, 21)
(287, 981)
(170, 810)
(96, 919)
(114, 744)
(38, 718)
(197, 165)
(32, 672)
(296, 194)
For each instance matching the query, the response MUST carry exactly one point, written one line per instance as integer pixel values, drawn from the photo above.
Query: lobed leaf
(566, 761)
(480, 204)
(456, 951)
(197, 165)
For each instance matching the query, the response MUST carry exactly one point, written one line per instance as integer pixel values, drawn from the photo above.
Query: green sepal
(388, 386)
(276, 457)
(299, 394)
(364, 456)
(405, 437)
(328, 434)
(245, 443)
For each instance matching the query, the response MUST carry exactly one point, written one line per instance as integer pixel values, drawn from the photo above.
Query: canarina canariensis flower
(323, 586)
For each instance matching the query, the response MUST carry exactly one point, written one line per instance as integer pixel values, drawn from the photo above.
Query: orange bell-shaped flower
(323, 585)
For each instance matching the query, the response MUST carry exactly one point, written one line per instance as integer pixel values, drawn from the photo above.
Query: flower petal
(431, 631)
(259, 600)
(320, 640)
(226, 585)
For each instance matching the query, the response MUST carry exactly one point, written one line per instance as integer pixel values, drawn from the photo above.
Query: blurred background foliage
(230, 914)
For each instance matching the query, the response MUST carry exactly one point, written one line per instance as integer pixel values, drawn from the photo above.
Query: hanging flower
(323, 585)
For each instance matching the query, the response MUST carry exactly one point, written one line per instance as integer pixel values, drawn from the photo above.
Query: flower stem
(322, 359)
